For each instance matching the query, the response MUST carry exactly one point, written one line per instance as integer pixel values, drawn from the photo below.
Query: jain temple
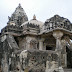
(34, 46)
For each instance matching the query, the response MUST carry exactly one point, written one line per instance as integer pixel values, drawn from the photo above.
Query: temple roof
(57, 18)
(33, 21)
(57, 23)
(19, 16)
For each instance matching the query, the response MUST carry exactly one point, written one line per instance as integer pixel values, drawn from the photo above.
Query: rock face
(34, 46)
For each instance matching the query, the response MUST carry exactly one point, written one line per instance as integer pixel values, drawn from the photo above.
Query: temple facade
(34, 46)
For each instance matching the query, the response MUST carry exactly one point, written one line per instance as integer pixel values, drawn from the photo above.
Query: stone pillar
(28, 39)
(41, 44)
(58, 35)
(65, 56)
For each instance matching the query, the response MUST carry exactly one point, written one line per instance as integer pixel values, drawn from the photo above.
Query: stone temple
(34, 46)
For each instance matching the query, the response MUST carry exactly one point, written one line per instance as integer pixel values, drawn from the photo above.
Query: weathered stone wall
(21, 42)
(38, 61)
(8, 48)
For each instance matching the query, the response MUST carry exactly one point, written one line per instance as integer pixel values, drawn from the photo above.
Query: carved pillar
(41, 44)
(58, 35)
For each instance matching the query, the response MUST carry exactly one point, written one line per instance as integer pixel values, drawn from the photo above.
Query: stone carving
(33, 44)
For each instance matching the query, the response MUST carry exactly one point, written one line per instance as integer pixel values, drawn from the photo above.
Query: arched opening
(69, 57)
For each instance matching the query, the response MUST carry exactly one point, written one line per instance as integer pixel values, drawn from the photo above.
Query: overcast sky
(43, 9)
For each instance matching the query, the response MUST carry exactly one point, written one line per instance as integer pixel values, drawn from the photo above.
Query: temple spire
(19, 16)
(34, 17)
(19, 4)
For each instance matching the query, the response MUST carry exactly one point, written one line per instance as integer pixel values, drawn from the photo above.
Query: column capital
(57, 34)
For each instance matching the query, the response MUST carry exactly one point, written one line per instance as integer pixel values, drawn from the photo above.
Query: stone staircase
(67, 70)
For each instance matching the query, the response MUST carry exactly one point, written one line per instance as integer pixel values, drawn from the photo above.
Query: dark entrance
(49, 48)
(69, 57)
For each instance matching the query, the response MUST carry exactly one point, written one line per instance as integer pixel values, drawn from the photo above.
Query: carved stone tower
(18, 17)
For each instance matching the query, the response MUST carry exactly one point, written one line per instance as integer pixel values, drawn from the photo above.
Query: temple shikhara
(34, 46)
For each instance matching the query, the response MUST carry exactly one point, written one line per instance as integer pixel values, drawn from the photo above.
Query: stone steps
(67, 70)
